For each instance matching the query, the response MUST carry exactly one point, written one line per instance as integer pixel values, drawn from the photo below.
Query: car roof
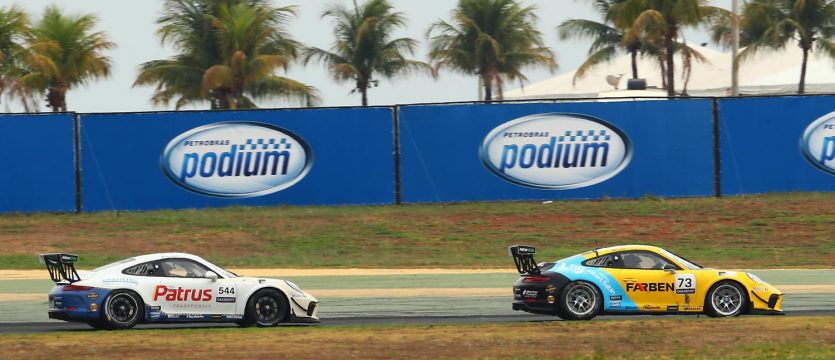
(612, 249)
(160, 256)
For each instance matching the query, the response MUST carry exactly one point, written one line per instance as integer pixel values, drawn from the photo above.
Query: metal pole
(735, 51)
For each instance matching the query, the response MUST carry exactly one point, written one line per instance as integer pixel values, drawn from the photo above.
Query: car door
(183, 291)
(646, 283)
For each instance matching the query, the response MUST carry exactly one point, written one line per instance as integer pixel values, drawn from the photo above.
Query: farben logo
(556, 151)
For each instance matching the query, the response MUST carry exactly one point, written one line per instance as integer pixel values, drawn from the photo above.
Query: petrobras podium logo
(556, 151)
(818, 143)
(236, 159)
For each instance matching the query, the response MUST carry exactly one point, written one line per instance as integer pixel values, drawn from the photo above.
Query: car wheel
(267, 307)
(579, 301)
(725, 299)
(122, 310)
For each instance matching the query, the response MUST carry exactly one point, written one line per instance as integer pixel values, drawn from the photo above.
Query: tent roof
(766, 71)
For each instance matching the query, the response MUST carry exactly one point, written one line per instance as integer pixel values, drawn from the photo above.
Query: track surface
(42, 327)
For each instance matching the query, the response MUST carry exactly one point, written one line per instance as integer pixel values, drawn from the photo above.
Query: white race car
(167, 288)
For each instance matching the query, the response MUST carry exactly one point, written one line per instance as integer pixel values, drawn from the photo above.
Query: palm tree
(493, 39)
(14, 27)
(228, 52)
(65, 52)
(661, 21)
(776, 23)
(608, 37)
(364, 45)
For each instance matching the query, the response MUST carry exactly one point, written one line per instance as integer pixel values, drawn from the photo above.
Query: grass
(777, 230)
(690, 338)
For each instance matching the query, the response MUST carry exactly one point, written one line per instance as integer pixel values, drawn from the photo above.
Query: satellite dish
(614, 80)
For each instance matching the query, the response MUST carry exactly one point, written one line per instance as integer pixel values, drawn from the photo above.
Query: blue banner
(38, 154)
(580, 150)
(777, 144)
(178, 160)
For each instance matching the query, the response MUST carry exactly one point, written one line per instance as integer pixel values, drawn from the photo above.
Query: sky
(131, 25)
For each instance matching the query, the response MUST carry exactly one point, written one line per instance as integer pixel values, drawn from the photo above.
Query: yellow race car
(635, 279)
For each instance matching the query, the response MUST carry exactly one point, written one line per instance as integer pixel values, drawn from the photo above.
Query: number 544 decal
(685, 284)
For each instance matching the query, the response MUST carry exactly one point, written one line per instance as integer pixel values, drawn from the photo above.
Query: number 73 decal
(685, 284)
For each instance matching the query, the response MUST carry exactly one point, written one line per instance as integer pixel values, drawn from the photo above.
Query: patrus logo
(818, 143)
(236, 159)
(556, 151)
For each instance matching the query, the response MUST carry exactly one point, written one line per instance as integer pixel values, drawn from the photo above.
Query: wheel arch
(283, 293)
(141, 306)
(746, 309)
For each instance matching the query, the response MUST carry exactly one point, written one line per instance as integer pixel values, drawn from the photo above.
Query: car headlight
(292, 285)
(755, 278)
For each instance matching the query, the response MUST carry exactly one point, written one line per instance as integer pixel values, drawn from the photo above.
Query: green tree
(608, 37)
(775, 23)
(492, 39)
(65, 52)
(661, 22)
(364, 47)
(14, 28)
(228, 52)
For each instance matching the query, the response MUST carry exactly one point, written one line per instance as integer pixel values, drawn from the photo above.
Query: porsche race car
(635, 279)
(171, 287)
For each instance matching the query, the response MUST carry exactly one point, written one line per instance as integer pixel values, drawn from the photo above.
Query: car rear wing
(523, 257)
(61, 267)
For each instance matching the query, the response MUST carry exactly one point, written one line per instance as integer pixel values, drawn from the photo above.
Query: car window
(144, 269)
(183, 268)
(609, 261)
(643, 260)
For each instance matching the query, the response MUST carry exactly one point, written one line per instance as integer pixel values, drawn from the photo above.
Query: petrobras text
(556, 151)
(236, 159)
(818, 143)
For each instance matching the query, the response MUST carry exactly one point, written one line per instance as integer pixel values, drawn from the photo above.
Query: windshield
(688, 264)
(100, 268)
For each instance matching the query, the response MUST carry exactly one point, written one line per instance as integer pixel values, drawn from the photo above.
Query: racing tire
(579, 300)
(267, 307)
(725, 299)
(122, 309)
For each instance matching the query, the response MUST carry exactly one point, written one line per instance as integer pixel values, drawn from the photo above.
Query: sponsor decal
(651, 307)
(225, 299)
(556, 151)
(759, 288)
(194, 316)
(216, 317)
(121, 280)
(727, 273)
(692, 308)
(615, 297)
(614, 304)
(601, 279)
(551, 299)
(672, 308)
(550, 289)
(530, 293)
(233, 317)
(155, 308)
(236, 159)
(649, 287)
(818, 143)
(181, 294)
(685, 284)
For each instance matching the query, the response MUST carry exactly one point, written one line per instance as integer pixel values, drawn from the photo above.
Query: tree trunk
(671, 74)
(801, 88)
(362, 86)
(56, 97)
(634, 54)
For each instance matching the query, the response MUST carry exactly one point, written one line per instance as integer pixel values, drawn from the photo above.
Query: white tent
(766, 72)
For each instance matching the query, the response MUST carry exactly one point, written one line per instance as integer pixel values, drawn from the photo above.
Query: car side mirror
(211, 275)
(670, 268)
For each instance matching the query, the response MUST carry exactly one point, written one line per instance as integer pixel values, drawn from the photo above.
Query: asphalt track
(45, 327)
(403, 299)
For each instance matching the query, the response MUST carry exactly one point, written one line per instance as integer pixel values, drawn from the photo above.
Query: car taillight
(536, 279)
(76, 288)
